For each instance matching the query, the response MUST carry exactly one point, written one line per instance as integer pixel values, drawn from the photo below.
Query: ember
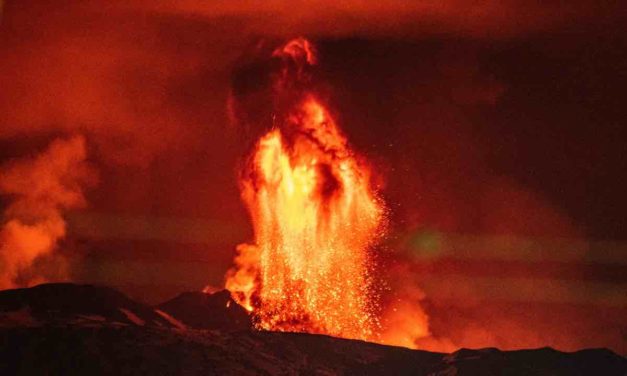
(315, 216)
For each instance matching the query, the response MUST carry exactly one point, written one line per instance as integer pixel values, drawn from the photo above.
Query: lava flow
(315, 217)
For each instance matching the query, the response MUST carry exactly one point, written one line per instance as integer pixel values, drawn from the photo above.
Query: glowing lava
(314, 216)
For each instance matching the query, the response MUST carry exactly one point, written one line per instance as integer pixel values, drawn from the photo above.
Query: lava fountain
(315, 217)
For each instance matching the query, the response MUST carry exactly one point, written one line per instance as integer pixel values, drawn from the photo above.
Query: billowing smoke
(40, 189)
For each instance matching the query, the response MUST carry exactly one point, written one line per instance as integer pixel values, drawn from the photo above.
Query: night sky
(496, 134)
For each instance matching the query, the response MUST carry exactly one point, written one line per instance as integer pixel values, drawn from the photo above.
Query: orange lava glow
(315, 217)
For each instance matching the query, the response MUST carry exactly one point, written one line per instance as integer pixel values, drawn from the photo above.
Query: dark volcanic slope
(138, 350)
(113, 347)
(70, 303)
(208, 311)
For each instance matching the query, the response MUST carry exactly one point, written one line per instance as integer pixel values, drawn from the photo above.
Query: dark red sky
(502, 119)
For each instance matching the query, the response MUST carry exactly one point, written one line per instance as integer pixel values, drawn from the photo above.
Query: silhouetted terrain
(64, 329)
(208, 311)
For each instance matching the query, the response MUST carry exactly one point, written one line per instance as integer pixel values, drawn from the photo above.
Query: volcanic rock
(54, 340)
(208, 311)
(66, 303)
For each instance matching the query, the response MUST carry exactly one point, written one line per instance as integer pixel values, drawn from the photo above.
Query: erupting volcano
(315, 217)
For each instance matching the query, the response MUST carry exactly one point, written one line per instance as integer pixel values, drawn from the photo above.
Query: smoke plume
(40, 188)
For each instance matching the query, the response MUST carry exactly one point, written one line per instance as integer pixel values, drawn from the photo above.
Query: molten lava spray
(314, 216)
(41, 187)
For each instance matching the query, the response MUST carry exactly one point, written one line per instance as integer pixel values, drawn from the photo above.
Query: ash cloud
(397, 18)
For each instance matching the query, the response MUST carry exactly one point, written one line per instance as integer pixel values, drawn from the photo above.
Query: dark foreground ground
(64, 329)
